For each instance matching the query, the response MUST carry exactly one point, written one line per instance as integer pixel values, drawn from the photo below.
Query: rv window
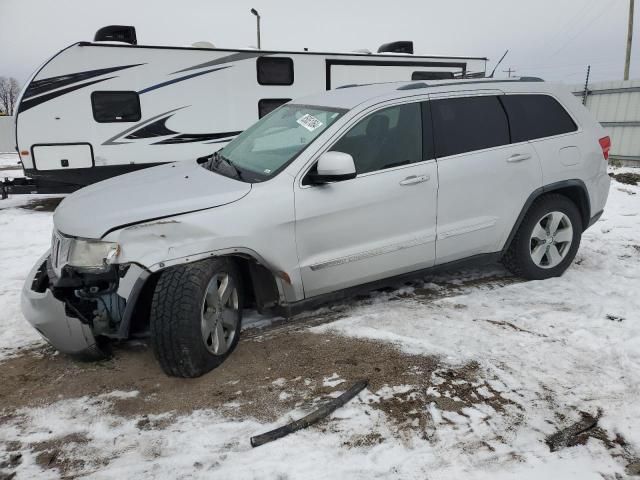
(275, 71)
(431, 75)
(115, 107)
(268, 105)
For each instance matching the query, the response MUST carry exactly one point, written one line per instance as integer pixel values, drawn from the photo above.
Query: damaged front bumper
(63, 325)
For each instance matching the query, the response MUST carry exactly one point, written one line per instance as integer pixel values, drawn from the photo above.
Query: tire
(531, 254)
(188, 314)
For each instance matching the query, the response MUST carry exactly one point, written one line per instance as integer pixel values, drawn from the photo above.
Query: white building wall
(616, 105)
(7, 135)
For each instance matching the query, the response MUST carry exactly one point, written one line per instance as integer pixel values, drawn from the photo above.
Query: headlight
(92, 253)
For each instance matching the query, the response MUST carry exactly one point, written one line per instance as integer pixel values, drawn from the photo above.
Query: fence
(616, 105)
(7, 135)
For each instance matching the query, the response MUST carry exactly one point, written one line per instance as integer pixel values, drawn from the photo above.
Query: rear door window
(536, 116)
(385, 139)
(115, 107)
(466, 124)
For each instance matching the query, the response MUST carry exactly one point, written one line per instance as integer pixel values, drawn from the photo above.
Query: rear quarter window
(536, 116)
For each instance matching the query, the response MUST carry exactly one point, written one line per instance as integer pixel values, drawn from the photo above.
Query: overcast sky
(555, 39)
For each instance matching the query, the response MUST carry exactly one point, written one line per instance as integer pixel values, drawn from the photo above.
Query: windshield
(265, 148)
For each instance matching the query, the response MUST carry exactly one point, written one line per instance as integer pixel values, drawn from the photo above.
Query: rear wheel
(547, 240)
(196, 315)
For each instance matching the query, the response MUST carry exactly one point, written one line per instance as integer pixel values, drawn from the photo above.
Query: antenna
(498, 64)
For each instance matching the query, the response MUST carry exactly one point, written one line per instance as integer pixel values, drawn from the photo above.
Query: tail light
(605, 144)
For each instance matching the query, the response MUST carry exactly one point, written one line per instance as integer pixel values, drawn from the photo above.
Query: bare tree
(9, 91)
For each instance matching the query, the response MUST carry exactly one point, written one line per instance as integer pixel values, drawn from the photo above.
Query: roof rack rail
(530, 79)
(413, 86)
(461, 81)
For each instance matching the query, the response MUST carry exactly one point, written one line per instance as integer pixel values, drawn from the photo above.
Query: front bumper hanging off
(50, 316)
(47, 315)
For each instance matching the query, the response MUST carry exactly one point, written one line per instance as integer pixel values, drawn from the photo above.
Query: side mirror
(333, 167)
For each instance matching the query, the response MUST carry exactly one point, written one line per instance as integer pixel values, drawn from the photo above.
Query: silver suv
(324, 196)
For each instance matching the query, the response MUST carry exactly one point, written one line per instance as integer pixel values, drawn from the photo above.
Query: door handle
(518, 157)
(413, 179)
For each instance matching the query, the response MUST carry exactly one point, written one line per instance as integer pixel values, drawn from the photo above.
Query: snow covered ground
(533, 356)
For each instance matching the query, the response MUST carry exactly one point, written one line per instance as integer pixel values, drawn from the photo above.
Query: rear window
(115, 107)
(536, 116)
(275, 71)
(466, 124)
(268, 105)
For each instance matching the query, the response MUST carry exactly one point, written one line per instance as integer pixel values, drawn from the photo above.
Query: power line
(587, 25)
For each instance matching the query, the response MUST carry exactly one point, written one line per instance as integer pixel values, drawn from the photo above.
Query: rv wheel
(196, 314)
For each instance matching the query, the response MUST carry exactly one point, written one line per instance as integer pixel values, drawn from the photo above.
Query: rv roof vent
(203, 44)
(413, 86)
(363, 50)
(116, 33)
(397, 47)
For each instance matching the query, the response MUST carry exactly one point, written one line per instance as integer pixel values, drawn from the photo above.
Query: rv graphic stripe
(196, 137)
(154, 129)
(114, 140)
(234, 57)
(180, 79)
(47, 84)
(27, 104)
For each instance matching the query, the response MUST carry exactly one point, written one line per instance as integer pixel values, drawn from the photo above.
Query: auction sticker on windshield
(309, 122)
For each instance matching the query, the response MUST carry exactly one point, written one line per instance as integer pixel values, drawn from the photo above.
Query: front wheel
(196, 315)
(548, 239)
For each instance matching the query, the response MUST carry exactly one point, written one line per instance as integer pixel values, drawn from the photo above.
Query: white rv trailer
(100, 109)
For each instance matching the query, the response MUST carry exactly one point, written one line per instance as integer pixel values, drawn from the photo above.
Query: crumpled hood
(147, 194)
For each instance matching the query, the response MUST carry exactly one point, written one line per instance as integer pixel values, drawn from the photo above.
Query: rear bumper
(47, 315)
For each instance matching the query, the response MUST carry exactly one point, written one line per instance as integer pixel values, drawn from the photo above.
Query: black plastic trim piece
(125, 322)
(595, 218)
(33, 156)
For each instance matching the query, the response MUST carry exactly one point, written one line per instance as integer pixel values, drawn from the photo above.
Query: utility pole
(627, 60)
(509, 71)
(255, 12)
